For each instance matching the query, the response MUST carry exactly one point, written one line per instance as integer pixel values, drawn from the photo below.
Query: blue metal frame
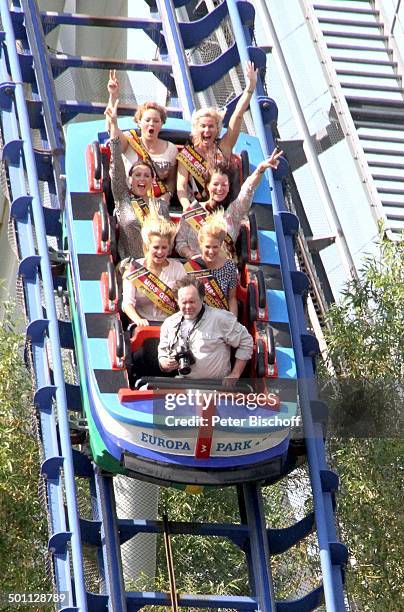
(332, 576)
(46, 392)
(105, 531)
(175, 48)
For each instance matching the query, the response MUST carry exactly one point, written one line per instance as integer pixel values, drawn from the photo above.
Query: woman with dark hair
(219, 182)
(132, 204)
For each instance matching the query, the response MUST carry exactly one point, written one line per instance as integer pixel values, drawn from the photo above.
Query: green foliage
(22, 522)
(366, 327)
(213, 565)
(365, 344)
(193, 555)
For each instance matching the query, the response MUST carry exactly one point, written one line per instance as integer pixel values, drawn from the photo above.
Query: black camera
(184, 358)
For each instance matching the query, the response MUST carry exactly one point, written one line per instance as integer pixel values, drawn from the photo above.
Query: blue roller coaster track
(29, 105)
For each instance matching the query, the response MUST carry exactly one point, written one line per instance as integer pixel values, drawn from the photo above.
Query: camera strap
(191, 329)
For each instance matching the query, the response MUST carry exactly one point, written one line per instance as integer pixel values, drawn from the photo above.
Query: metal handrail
(393, 23)
(391, 39)
(47, 285)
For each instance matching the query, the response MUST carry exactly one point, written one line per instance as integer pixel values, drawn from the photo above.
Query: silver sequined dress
(130, 239)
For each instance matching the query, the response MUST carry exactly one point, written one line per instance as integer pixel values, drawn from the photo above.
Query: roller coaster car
(132, 428)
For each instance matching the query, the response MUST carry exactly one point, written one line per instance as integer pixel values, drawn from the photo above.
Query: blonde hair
(212, 112)
(215, 227)
(155, 225)
(150, 105)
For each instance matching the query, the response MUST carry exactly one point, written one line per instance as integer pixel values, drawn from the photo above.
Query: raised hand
(251, 76)
(271, 162)
(113, 86)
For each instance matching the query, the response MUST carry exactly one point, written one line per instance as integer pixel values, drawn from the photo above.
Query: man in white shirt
(207, 333)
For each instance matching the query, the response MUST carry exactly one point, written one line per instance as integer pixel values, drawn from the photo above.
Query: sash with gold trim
(140, 208)
(195, 163)
(214, 295)
(196, 217)
(137, 145)
(152, 287)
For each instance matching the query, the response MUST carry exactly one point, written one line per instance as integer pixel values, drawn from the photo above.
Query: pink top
(145, 307)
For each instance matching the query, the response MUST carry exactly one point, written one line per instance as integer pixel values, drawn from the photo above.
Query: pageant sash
(152, 287)
(214, 295)
(195, 163)
(140, 208)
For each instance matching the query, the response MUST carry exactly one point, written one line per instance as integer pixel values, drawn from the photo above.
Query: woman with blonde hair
(160, 154)
(217, 272)
(132, 204)
(207, 147)
(148, 281)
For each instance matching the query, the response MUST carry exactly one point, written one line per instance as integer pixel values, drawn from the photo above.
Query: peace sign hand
(113, 85)
(271, 162)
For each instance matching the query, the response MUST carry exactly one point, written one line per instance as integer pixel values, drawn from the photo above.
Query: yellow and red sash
(152, 287)
(195, 163)
(140, 208)
(196, 217)
(214, 295)
(137, 145)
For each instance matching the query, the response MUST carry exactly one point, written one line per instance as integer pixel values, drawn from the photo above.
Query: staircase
(370, 78)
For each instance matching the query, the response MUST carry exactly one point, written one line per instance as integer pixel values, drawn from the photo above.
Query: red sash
(196, 217)
(152, 287)
(214, 295)
(137, 145)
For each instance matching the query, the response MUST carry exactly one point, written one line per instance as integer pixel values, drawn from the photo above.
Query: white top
(163, 161)
(145, 307)
(210, 342)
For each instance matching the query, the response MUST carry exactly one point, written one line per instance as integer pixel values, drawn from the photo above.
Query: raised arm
(113, 91)
(271, 162)
(182, 240)
(233, 131)
(241, 205)
(232, 298)
(171, 182)
(118, 176)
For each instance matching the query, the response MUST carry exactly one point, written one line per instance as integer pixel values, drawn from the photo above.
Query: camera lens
(184, 366)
